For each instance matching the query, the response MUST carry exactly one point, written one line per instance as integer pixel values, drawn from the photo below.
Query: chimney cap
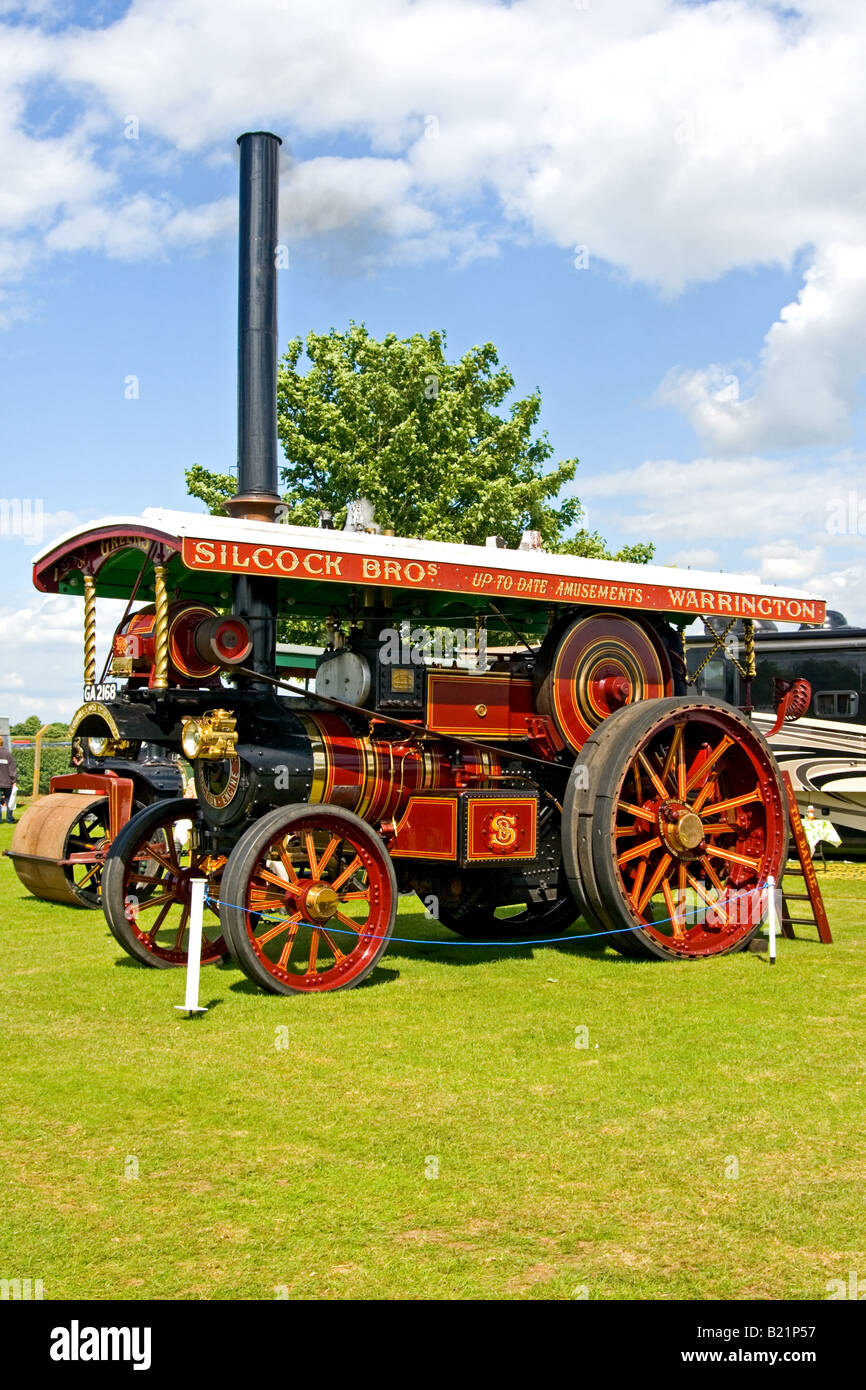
(270, 134)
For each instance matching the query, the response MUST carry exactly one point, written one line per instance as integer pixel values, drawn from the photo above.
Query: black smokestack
(256, 598)
(257, 493)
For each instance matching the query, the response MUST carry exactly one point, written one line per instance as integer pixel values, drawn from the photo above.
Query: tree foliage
(430, 443)
(29, 727)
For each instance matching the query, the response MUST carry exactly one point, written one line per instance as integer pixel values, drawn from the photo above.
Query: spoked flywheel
(309, 899)
(146, 886)
(674, 818)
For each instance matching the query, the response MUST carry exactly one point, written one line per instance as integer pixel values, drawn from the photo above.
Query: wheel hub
(320, 902)
(681, 829)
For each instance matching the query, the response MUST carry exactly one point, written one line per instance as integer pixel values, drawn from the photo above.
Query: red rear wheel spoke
(634, 896)
(651, 773)
(673, 915)
(732, 802)
(641, 851)
(733, 857)
(654, 882)
(713, 876)
(701, 769)
(675, 761)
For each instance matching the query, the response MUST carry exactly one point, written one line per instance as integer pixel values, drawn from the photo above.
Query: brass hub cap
(681, 829)
(321, 902)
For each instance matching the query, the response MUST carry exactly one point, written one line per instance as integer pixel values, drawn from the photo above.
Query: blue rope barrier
(425, 941)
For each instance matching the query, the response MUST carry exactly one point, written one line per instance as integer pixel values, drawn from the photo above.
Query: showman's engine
(571, 772)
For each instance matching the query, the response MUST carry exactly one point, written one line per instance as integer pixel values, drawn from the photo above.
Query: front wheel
(146, 893)
(309, 899)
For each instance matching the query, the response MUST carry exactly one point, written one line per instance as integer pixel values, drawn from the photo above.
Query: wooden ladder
(800, 864)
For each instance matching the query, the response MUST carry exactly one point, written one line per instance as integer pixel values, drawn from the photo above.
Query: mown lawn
(435, 1133)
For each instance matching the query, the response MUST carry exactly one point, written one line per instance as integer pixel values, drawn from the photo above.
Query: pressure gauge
(345, 676)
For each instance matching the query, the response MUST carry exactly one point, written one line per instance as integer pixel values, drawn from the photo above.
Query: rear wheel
(673, 819)
(309, 900)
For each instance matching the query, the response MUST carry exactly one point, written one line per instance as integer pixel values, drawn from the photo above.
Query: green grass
(303, 1168)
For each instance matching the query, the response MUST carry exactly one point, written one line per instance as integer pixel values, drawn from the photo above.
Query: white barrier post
(771, 913)
(193, 958)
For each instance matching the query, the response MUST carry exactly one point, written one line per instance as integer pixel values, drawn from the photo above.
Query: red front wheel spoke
(327, 855)
(290, 941)
(170, 865)
(347, 873)
(287, 887)
(314, 951)
(338, 954)
(280, 927)
(347, 922)
(311, 853)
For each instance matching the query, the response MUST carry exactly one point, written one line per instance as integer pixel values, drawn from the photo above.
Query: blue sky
(443, 159)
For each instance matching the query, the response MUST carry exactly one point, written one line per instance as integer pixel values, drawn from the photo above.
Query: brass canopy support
(160, 665)
(89, 629)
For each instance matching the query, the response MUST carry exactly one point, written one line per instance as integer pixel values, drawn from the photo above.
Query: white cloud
(808, 380)
(696, 557)
(43, 642)
(675, 140)
(702, 513)
(140, 227)
(23, 521)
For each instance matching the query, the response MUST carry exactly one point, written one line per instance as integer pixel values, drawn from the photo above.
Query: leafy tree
(421, 438)
(28, 727)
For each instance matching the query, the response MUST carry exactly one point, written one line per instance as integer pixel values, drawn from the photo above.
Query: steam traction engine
(576, 776)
